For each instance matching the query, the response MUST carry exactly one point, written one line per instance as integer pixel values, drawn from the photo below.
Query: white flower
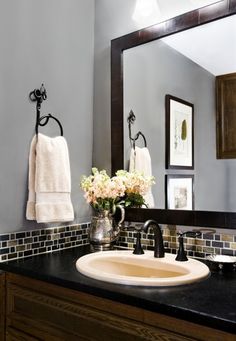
(102, 192)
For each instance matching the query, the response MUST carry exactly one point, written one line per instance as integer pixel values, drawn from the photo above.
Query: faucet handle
(138, 250)
(190, 234)
(181, 255)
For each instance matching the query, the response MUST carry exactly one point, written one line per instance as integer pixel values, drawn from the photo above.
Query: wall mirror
(162, 59)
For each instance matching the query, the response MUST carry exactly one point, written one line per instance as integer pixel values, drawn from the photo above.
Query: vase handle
(122, 211)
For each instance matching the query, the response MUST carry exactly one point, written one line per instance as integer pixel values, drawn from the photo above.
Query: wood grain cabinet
(2, 306)
(36, 310)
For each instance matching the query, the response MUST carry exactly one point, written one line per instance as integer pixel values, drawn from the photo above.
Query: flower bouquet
(105, 194)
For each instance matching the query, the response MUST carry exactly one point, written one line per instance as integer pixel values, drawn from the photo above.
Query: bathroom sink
(123, 267)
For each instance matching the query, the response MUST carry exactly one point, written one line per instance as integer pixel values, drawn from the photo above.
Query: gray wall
(150, 72)
(50, 41)
(113, 19)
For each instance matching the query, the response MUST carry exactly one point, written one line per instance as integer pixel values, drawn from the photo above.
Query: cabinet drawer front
(50, 313)
(52, 318)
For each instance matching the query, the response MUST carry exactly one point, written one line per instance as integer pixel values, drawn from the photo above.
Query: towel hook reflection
(131, 119)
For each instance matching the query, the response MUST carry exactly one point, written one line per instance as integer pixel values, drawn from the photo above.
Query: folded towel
(140, 160)
(49, 180)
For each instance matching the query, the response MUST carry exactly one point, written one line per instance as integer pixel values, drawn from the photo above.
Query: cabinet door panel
(52, 313)
(51, 318)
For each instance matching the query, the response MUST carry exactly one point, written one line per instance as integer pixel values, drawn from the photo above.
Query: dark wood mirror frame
(180, 23)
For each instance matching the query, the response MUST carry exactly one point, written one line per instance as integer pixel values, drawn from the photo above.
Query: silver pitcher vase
(104, 232)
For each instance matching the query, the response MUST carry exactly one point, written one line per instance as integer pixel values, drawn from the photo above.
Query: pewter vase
(104, 232)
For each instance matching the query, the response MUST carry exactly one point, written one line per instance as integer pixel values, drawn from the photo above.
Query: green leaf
(184, 130)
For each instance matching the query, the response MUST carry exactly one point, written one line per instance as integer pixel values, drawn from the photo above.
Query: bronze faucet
(159, 251)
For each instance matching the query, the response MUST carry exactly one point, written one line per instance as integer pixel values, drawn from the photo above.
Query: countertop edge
(168, 310)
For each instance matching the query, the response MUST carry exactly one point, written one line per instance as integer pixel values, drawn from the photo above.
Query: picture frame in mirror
(179, 191)
(179, 133)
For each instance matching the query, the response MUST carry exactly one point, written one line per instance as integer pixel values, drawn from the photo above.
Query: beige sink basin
(124, 267)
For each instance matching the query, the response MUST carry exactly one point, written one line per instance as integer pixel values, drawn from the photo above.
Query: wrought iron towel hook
(46, 118)
(40, 95)
(131, 119)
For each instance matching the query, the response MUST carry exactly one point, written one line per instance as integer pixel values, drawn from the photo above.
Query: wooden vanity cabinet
(36, 310)
(2, 306)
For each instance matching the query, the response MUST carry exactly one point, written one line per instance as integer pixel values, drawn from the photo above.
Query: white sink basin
(124, 267)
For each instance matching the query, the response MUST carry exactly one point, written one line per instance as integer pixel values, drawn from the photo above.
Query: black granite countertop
(211, 302)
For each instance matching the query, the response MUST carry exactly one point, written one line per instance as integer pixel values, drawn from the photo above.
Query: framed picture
(179, 192)
(179, 133)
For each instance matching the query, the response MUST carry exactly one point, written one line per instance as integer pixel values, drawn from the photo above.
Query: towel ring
(136, 138)
(38, 96)
(46, 118)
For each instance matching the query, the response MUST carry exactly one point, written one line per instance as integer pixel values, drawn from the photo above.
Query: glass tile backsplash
(29, 243)
(211, 241)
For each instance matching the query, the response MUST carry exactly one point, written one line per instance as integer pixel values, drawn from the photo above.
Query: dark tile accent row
(28, 243)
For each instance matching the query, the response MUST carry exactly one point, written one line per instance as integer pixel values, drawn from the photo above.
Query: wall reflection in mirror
(184, 65)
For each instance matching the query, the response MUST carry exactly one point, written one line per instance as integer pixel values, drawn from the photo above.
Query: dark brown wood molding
(222, 220)
(180, 23)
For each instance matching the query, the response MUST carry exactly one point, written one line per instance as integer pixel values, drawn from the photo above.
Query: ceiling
(172, 8)
(212, 46)
(150, 12)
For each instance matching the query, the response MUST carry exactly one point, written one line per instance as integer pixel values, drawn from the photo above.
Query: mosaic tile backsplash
(29, 243)
(210, 242)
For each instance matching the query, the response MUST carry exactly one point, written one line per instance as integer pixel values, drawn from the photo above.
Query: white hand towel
(140, 160)
(49, 181)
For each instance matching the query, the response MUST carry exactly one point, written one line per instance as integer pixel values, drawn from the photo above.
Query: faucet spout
(159, 251)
